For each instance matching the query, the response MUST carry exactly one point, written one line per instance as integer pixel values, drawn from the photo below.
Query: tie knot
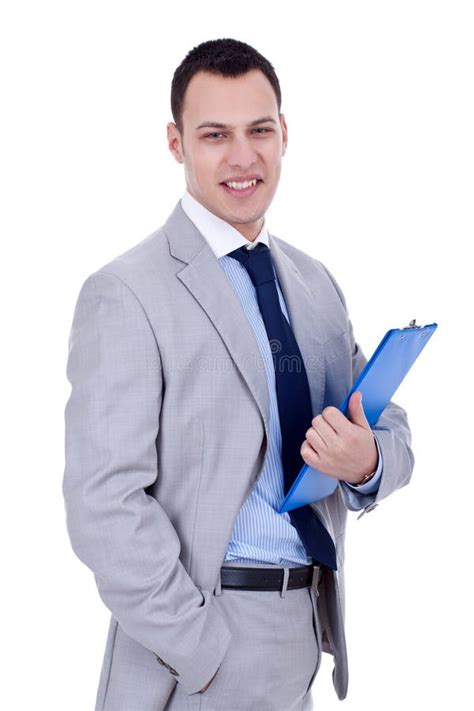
(257, 261)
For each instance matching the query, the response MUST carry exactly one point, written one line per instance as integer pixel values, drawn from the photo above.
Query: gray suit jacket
(166, 432)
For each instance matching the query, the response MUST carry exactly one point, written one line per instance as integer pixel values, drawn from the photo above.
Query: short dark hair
(227, 57)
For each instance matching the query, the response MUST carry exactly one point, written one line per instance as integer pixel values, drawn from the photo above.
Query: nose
(241, 153)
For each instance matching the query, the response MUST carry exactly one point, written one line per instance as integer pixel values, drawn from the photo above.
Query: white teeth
(242, 186)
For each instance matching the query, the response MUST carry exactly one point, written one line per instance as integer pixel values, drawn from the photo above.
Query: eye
(216, 134)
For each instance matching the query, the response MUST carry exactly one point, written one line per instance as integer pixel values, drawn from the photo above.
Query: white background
(377, 183)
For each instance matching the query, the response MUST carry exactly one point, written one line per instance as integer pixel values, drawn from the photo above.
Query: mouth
(242, 190)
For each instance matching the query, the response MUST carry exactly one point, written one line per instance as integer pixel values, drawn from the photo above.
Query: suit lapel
(206, 280)
(303, 312)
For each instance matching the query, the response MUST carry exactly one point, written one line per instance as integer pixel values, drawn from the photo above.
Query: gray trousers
(273, 657)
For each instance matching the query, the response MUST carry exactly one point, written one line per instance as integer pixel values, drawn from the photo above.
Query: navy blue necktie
(293, 395)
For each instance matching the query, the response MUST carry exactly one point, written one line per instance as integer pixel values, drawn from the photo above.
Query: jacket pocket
(337, 347)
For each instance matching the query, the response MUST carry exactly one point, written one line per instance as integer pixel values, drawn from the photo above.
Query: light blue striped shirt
(260, 534)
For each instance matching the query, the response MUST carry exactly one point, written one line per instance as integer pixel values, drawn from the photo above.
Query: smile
(244, 189)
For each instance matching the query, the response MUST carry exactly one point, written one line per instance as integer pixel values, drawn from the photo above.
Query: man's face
(248, 142)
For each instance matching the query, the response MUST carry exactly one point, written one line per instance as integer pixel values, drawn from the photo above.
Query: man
(206, 366)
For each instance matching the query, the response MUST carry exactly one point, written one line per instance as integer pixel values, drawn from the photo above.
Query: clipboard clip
(412, 324)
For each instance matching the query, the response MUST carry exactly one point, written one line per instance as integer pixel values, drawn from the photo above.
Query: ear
(284, 134)
(174, 141)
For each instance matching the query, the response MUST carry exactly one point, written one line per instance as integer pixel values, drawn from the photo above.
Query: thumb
(356, 410)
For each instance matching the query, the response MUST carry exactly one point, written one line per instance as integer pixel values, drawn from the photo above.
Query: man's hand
(340, 447)
(209, 682)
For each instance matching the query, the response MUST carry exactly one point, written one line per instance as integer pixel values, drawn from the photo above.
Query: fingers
(320, 434)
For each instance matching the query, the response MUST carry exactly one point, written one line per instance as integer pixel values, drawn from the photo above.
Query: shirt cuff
(371, 486)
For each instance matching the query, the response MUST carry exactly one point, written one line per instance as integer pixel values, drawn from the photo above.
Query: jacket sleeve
(115, 527)
(392, 433)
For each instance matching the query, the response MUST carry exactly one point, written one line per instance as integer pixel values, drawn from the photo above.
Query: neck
(249, 231)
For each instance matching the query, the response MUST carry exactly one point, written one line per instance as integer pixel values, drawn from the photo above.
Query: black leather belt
(268, 578)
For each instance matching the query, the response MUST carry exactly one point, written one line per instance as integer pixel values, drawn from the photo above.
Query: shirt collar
(219, 234)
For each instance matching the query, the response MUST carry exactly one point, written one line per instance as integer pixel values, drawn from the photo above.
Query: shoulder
(138, 269)
(137, 261)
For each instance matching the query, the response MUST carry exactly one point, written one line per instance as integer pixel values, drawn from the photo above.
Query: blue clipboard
(377, 381)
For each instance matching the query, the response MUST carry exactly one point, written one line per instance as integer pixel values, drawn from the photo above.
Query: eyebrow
(216, 124)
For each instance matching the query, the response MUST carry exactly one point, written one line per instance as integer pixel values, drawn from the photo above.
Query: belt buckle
(315, 579)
